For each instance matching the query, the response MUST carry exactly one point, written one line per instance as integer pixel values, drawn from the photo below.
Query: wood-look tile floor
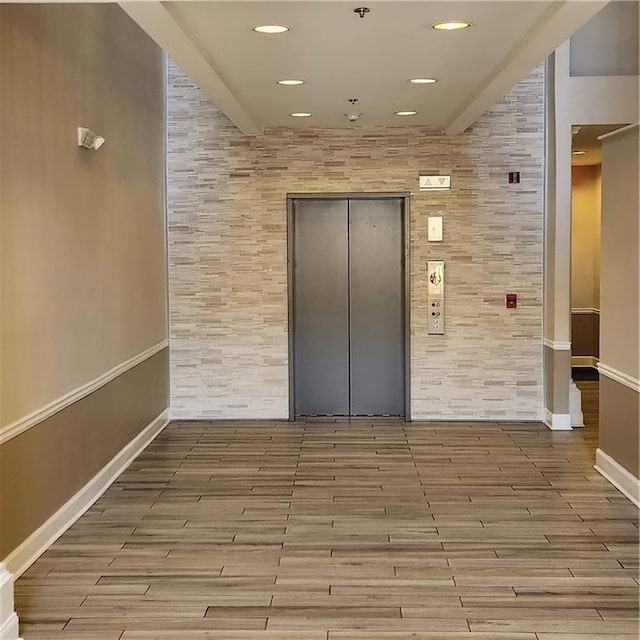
(347, 531)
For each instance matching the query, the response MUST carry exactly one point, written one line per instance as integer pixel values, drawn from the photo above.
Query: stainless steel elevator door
(321, 307)
(376, 307)
(348, 307)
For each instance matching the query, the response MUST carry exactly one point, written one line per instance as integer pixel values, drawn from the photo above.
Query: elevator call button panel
(435, 297)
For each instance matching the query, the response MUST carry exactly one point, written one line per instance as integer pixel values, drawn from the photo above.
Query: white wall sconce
(89, 139)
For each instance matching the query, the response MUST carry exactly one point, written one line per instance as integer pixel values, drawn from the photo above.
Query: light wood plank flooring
(347, 531)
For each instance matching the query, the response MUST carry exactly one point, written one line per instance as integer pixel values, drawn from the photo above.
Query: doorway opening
(348, 282)
(586, 166)
(586, 221)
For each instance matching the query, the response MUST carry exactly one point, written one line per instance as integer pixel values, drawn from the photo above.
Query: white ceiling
(587, 140)
(342, 56)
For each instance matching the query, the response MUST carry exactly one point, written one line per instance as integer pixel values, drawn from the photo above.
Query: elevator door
(348, 307)
(321, 307)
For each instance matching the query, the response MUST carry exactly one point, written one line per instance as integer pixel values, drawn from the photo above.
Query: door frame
(406, 280)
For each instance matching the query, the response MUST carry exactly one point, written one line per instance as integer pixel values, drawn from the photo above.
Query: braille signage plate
(435, 183)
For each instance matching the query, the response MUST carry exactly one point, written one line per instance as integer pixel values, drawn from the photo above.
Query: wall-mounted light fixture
(89, 139)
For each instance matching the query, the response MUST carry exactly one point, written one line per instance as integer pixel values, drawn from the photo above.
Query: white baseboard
(575, 405)
(182, 416)
(425, 417)
(9, 630)
(584, 361)
(557, 421)
(557, 345)
(21, 558)
(618, 476)
(8, 617)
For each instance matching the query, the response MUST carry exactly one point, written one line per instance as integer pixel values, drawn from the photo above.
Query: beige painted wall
(619, 419)
(585, 237)
(83, 250)
(592, 53)
(82, 240)
(620, 335)
(620, 300)
(43, 467)
(585, 261)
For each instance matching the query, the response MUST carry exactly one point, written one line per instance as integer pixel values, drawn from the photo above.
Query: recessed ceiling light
(406, 113)
(290, 83)
(271, 28)
(300, 114)
(423, 80)
(451, 25)
(580, 152)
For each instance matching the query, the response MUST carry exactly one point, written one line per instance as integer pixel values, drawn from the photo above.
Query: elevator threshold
(321, 416)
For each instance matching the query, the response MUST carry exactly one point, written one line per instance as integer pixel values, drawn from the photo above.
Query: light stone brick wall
(228, 253)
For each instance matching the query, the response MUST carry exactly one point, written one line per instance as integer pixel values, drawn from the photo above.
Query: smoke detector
(352, 116)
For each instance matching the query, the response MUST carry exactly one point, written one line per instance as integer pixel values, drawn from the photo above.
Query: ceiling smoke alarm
(352, 116)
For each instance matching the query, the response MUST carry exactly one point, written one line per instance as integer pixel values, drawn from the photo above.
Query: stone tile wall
(228, 253)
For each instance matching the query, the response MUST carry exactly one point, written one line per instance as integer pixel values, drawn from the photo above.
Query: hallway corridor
(346, 531)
